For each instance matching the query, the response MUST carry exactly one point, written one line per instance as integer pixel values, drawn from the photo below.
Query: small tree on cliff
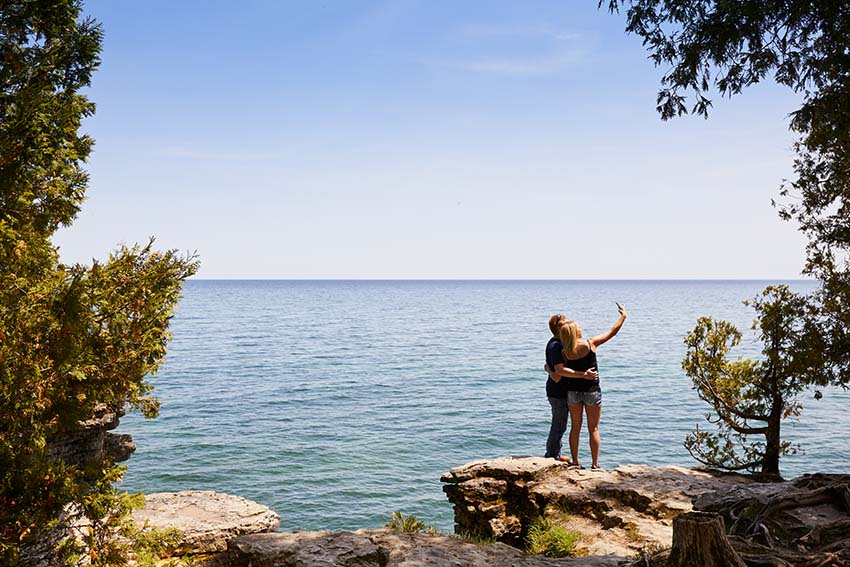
(713, 45)
(70, 336)
(752, 398)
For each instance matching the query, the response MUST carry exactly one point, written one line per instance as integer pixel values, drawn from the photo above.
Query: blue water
(338, 402)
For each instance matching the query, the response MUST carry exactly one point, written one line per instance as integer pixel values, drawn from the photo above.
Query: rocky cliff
(629, 512)
(619, 512)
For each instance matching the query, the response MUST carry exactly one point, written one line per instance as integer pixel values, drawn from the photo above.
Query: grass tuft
(552, 540)
(410, 524)
(633, 534)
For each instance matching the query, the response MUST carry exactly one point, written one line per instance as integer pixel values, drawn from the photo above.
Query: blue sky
(421, 139)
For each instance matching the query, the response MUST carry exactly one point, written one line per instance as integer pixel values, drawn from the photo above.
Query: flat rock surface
(513, 468)
(383, 548)
(206, 519)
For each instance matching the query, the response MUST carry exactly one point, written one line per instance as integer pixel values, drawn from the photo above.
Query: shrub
(151, 544)
(410, 524)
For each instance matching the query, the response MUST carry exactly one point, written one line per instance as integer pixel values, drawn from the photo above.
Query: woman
(585, 396)
(556, 390)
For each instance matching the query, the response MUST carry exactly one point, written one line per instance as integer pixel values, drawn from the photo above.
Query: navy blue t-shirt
(555, 355)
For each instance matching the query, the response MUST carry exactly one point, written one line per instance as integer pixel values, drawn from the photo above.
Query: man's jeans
(560, 413)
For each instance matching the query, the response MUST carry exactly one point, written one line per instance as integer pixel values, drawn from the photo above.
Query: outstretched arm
(605, 337)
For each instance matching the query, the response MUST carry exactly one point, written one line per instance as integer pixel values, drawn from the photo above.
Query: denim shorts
(584, 398)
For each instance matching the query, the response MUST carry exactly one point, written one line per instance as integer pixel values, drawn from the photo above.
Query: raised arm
(603, 338)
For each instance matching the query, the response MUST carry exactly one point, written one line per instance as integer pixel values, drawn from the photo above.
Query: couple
(573, 385)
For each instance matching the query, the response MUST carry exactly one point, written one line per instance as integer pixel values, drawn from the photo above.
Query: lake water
(338, 402)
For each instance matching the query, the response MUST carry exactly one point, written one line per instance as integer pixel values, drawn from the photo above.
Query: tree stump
(699, 538)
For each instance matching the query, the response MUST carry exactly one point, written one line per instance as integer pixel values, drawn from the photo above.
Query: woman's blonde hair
(568, 333)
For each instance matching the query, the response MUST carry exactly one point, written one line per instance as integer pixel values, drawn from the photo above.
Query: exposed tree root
(803, 523)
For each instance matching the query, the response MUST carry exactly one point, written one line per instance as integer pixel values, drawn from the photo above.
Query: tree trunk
(773, 440)
(699, 538)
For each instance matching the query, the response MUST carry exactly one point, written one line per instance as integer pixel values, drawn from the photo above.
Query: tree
(725, 46)
(752, 398)
(70, 336)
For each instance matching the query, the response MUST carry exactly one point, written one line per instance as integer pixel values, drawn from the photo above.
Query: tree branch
(715, 396)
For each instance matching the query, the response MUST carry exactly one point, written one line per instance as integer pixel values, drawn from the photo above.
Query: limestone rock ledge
(618, 512)
(381, 548)
(92, 440)
(207, 520)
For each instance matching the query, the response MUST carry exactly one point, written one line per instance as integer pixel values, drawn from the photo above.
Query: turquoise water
(338, 402)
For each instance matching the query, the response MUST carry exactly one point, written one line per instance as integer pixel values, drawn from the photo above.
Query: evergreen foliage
(724, 47)
(70, 336)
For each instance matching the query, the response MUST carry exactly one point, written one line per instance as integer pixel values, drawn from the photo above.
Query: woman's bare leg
(575, 430)
(594, 413)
